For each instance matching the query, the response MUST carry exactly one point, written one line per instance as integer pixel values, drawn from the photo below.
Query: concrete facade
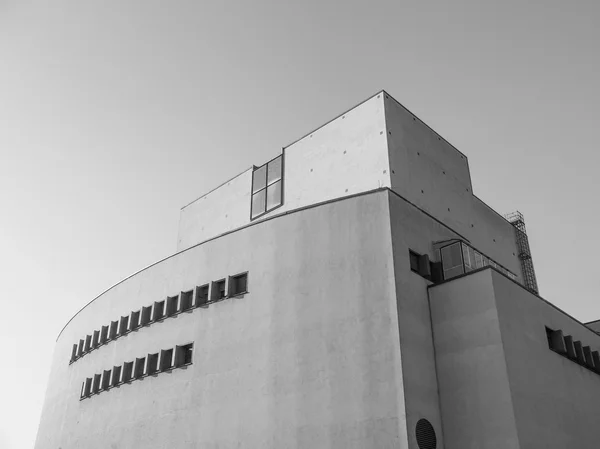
(339, 341)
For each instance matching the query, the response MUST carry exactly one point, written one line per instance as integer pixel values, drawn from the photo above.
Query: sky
(115, 114)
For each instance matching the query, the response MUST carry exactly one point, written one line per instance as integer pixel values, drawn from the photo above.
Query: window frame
(231, 283)
(265, 188)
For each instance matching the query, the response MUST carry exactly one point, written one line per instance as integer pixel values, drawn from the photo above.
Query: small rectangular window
(152, 363)
(238, 284)
(452, 260)
(74, 353)
(127, 371)
(186, 300)
(87, 390)
(556, 341)
(116, 376)
(159, 311)
(103, 335)
(124, 325)
(140, 365)
(217, 290)
(172, 305)
(112, 333)
(80, 348)
(96, 384)
(569, 348)
(183, 354)
(414, 261)
(166, 359)
(96, 339)
(579, 352)
(105, 379)
(88, 343)
(146, 315)
(134, 321)
(201, 295)
(267, 187)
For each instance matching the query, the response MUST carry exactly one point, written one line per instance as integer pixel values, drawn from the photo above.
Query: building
(352, 292)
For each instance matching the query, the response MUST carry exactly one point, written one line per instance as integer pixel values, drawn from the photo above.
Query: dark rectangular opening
(124, 325)
(217, 291)
(112, 333)
(88, 343)
(414, 260)
(105, 379)
(186, 300)
(596, 359)
(140, 364)
(116, 376)
(127, 371)
(556, 341)
(96, 384)
(159, 310)
(183, 354)
(587, 355)
(238, 284)
(172, 305)
(80, 348)
(87, 390)
(146, 315)
(134, 321)
(152, 363)
(81, 393)
(96, 339)
(569, 348)
(74, 353)
(103, 335)
(201, 295)
(579, 352)
(166, 359)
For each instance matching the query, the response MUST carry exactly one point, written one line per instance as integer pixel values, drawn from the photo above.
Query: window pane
(478, 260)
(260, 179)
(274, 195)
(258, 203)
(465, 251)
(452, 260)
(274, 170)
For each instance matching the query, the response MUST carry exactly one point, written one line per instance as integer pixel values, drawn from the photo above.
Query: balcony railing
(459, 258)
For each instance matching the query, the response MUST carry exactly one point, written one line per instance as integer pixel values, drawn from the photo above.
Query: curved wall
(310, 357)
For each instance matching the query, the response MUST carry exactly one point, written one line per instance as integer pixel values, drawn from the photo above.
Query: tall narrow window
(185, 303)
(217, 291)
(116, 376)
(146, 315)
(96, 384)
(87, 389)
(152, 364)
(74, 353)
(127, 371)
(452, 260)
(124, 325)
(112, 333)
(134, 321)
(267, 187)
(96, 339)
(166, 359)
(201, 295)
(80, 348)
(159, 310)
(172, 305)
(88, 343)
(103, 335)
(140, 365)
(105, 379)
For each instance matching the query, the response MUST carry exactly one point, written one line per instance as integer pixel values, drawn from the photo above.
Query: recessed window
(146, 315)
(217, 290)
(201, 295)
(112, 333)
(87, 389)
(105, 379)
(116, 376)
(414, 261)
(74, 353)
(166, 359)
(96, 383)
(267, 187)
(152, 363)
(124, 325)
(96, 339)
(134, 321)
(172, 305)
(140, 364)
(159, 310)
(238, 284)
(103, 335)
(80, 348)
(88, 343)
(127, 371)
(183, 355)
(186, 300)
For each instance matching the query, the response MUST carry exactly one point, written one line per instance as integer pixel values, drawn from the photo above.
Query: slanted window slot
(140, 364)
(74, 353)
(116, 376)
(103, 335)
(106, 379)
(127, 371)
(172, 305)
(88, 343)
(159, 311)
(152, 364)
(579, 352)
(80, 348)
(96, 384)
(124, 325)
(134, 321)
(112, 333)
(96, 339)
(185, 302)
(570, 349)
(146, 315)
(166, 359)
(88, 387)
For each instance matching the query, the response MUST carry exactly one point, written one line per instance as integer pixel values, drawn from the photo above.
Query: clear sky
(114, 114)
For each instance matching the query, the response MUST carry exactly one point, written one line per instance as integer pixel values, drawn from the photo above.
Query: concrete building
(353, 292)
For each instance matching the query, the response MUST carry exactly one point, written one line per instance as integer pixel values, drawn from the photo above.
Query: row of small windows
(149, 365)
(459, 258)
(573, 350)
(184, 302)
(267, 187)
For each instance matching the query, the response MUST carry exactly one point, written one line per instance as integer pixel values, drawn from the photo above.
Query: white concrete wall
(309, 358)
(346, 156)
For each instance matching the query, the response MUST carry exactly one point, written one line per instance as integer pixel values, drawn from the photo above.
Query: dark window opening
(570, 348)
(414, 261)
(74, 353)
(166, 359)
(146, 315)
(134, 321)
(96, 339)
(116, 376)
(579, 352)
(80, 348)
(112, 333)
(152, 364)
(105, 379)
(88, 387)
(267, 187)
(587, 355)
(88, 343)
(217, 290)
(183, 354)
(140, 364)
(103, 335)
(238, 284)
(186, 300)
(172, 305)
(201, 295)
(159, 310)
(127, 371)
(96, 384)
(124, 325)
(556, 341)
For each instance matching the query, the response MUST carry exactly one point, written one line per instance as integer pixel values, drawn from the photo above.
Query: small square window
(140, 365)
(186, 300)
(146, 315)
(201, 295)
(96, 384)
(183, 355)
(103, 335)
(152, 363)
(217, 290)
(238, 285)
(96, 339)
(134, 321)
(116, 376)
(105, 379)
(127, 371)
(112, 333)
(172, 305)
(124, 325)
(166, 359)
